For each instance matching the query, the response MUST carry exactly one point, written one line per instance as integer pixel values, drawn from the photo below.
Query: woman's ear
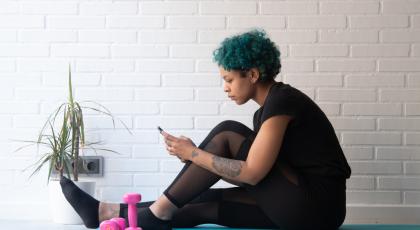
(255, 74)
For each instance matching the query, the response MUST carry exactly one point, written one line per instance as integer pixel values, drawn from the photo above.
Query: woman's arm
(261, 156)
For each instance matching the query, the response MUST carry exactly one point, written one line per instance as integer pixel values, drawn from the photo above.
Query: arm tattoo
(229, 167)
(194, 153)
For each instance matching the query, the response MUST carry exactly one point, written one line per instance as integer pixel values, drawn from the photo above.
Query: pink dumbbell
(113, 224)
(132, 199)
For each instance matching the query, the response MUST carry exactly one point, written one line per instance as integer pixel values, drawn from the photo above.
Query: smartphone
(160, 129)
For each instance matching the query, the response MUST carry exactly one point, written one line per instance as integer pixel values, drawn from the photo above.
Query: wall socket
(91, 166)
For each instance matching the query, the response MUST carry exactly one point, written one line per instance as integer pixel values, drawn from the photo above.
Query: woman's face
(239, 89)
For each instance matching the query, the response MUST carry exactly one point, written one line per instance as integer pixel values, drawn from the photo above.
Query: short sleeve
(280, 102)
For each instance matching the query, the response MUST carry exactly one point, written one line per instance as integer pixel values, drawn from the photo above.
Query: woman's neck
(262, 91)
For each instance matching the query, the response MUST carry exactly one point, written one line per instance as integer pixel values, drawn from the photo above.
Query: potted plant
(62, 153)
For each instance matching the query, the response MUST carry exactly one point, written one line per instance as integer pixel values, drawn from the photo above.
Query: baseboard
(356, 214)
(383, 214)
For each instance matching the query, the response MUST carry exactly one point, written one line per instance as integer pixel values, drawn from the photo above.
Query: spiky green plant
(64, 145)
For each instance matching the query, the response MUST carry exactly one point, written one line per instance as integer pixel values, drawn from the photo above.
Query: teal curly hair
(252, 49)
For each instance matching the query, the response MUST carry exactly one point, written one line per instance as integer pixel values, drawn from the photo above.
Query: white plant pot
(61, 211)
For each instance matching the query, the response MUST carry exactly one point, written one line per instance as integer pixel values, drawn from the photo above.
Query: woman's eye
(228, 81)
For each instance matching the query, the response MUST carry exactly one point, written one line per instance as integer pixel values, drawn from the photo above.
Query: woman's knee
(233, 126)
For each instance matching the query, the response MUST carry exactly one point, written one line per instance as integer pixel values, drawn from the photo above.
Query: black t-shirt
(310, 144)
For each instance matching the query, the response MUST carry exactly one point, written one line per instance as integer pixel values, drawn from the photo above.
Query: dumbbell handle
(132, 199)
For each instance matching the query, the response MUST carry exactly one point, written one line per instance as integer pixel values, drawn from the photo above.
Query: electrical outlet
(90, 166)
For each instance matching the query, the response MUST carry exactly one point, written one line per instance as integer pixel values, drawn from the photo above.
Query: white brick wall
(149, 62)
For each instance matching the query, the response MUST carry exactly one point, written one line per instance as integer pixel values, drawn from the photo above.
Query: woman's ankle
(108, 211)
(163, 208)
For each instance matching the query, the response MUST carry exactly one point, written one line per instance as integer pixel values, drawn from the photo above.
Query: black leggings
(232, 207)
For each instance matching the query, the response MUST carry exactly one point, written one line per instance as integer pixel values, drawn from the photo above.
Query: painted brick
(346, 95)
(305, 80)
(184, 108)
(192, 51)
(412, 138)
(366, 7)
(131, 165)
(398, 153)
(353, 123)
(135, 22)
(93, 50)
(22, 50)
(8, 36)
(242, 22)
(293, 36)
(168, 8)
(289, 8)
(99, 36)
(228, 8)
(105, 122)
(171, 166)
(21, 21)
(189, 80)
(150, 151)
(114, 194)
(319, 50)
(412, 198)
(196, 22)
(124, 137)
(353, 65)
(132, 79)
(358, 153)
(297, 65)
(371, 138)
(407, 182)
(7, 65)
(211, 94)
(38, 93)
(412, 109)
(403, 124)
(104, 65)
(48, 7)
(412, 168)
(372, 109)
(108, 94)
(379, 21)
(402, 7)
(380, 50)
(168, 122)
(153, 179)
(373, 197)
(230, 108)
(47, 36)
(115, 179)
(206, 66)
(164, 94)
(377, 167)
(108, 8)
(400, 36)
(9, 7)
(379, 80)
(168, 36)
(173, 65)
(319, 22)
(361, 182)
(331, 109)
(406, 95)
(75, 22)
(136, 51)
(132, 107)
(350, 36)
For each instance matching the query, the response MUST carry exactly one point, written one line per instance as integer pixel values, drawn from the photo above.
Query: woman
(290, 170)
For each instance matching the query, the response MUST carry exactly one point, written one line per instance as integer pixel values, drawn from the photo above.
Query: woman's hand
(182, 147)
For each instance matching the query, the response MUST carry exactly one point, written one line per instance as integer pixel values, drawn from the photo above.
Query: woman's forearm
(231, 169)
